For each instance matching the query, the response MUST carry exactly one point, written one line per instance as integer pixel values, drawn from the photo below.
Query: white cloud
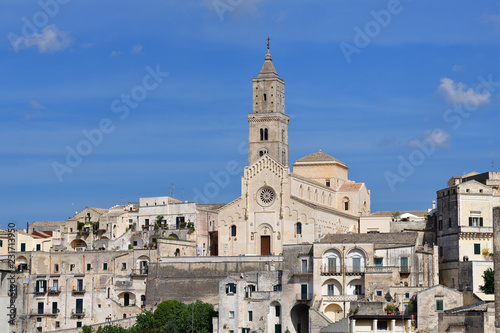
(36, 105)
(51, 39)
(115, 53)
(137, 49)
(438, 137)
(457, 93)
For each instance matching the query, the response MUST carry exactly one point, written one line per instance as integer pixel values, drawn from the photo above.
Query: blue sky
(405, 93)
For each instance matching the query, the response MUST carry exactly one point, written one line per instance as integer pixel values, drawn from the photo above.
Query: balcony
(329, 270)
(140, 272)
(355, 269)
(78, 291)
(39, 313)
(54, 290)
(79, 313)
(304, 297)
(342, 298)
(379, 269)
(404, 269)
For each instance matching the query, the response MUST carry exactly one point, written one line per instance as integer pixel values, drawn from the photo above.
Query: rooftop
(318, 157)
(380, 240)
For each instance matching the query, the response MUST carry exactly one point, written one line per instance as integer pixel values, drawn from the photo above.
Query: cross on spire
(268, 39)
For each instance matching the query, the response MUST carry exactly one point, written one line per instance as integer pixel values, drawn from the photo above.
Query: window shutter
(470, 221)
(37, 285)
(480, 221)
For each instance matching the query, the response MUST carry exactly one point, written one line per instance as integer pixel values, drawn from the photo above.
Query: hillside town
(299, 250)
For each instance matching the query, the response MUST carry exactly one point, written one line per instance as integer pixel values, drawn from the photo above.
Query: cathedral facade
(277, 206)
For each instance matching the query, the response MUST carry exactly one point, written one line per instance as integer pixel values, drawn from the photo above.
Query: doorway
(265, 245)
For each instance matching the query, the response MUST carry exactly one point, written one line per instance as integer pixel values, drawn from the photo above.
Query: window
(277, 287)
(55, 285)
(231, 314)
(277, 310)
(1, 243)
(404, 265)
(71, 266)
(379, 261)
(79, 285)
(233, 231)
(38, 247)
(41, 286)
(332, 265)
(54, 308)
(378, 293)
(78, 324)
(124, 266)
(58, 324)
(304, 266)
(56, 268)
(475, 221)
(407, 295)
(23, 247)
(263, 134)
(382, 325)
(250, 316)
(440, 251)
(146, 221)
(299, 228)
(477, 248)
(449, 223)
(346, 205)
(40, 308)
(327, 183)
(89, 267)
(331, 289)
(105, 266)
(230, 288)
(358, 289)
(440, 224)
(439, 305)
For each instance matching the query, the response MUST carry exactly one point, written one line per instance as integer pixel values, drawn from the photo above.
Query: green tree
(489, 282)
(201, 315)
(171, 312)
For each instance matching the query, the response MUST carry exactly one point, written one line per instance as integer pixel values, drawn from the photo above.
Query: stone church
(277, 206)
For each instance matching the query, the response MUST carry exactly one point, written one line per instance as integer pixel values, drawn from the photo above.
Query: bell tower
(268, 123)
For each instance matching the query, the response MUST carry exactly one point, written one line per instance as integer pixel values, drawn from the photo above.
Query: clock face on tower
(265, 196)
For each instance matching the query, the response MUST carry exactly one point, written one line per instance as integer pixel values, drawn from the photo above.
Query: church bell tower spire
(268, 123)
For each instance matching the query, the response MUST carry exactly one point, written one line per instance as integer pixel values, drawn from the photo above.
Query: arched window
(233, 231)
(301, 191)
(283, 157)
(308, 193)
(316, 195)
(346, 203)
(283, 135)
(126, 299)
(263, 134)
(263, 151)
(299, 228)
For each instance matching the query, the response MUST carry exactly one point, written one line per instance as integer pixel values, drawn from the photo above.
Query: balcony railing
(330, 270)
(379, 269)
(355, 269)
(37, 312)
(140, 272)
(54, 290)
(79, 290)
(78, 313)
(405, 269)
(342, 298)
(304, 297)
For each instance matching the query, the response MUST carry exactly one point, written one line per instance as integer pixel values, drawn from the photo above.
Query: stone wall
(188, 279)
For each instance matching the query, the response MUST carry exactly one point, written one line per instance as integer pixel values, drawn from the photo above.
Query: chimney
(433, 204)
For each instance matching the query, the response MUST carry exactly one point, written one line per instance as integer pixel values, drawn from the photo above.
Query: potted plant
(389, 308)
(486, 251)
